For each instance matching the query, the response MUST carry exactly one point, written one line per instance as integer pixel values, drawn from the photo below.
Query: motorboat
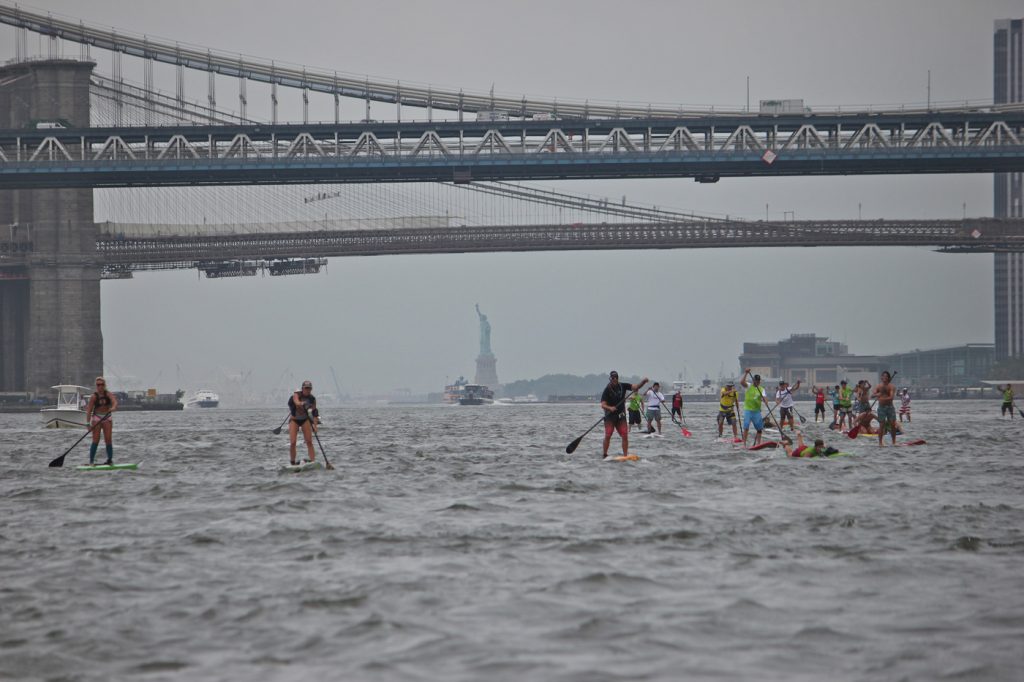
(69, 412)
(202, 398)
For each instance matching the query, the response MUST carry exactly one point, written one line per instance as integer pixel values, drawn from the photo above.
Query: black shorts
(635, 418)
(819, 409)
(785, 413)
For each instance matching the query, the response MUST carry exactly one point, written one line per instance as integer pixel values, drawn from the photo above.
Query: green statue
(485, 333)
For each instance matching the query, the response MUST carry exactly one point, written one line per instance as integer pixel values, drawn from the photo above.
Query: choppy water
(462, 543)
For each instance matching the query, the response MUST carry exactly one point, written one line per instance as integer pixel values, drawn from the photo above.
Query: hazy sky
(390, 322)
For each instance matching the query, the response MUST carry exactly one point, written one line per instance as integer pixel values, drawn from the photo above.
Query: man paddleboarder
(886, 415)
(752, 399)
(613, 400)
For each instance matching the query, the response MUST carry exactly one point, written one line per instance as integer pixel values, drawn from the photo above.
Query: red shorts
(618, 425)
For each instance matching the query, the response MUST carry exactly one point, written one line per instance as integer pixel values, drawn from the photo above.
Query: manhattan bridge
(450, 178)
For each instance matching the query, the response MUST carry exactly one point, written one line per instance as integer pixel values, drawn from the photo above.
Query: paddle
(59, 462)
(571, 447)
(278, 429)
(681, 424)
(327, 462)
(855, 431)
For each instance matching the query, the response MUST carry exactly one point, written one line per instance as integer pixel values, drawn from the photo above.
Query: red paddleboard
(765, 444)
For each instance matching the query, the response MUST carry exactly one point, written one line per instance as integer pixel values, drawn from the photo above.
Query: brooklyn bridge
(66, 130)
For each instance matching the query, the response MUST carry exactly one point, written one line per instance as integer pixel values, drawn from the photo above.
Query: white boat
(518, 400)
(68, 412)
(202, 398)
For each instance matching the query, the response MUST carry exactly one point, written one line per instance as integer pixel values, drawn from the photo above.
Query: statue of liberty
(485, 333)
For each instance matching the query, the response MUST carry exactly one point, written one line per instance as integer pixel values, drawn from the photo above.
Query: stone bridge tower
(50, 290)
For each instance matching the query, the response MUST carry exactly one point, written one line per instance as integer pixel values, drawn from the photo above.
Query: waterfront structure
(1008, 270)
(817, 360)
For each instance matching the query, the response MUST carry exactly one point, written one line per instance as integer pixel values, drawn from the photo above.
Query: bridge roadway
(976, 235)
(704, 148)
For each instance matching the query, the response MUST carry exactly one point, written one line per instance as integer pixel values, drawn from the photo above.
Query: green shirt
(1008, 395)
(844, 396)
(752, 398)
(636, 402)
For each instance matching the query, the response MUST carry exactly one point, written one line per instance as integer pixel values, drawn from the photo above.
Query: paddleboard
(109, 467)
(728, 440)
(832, 456)
(653, 435)
(911, 443)
(302, 466)
(765, 444)
(623, 458)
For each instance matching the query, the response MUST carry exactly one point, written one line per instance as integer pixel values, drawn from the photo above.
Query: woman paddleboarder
(305, 416)
(99, 415)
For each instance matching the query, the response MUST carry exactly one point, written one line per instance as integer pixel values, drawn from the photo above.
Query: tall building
(1009, 267)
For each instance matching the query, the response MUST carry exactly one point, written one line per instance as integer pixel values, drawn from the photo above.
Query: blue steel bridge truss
(704, 148)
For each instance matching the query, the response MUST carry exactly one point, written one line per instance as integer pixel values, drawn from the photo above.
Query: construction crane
(337, 387)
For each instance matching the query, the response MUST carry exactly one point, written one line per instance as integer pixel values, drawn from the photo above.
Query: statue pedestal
(487, 371)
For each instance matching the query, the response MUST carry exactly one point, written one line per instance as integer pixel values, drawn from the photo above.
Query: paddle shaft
(59, 462)
(278, 429)
(322, 451)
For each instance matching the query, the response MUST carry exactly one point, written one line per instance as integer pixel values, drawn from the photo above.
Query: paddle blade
(330, 466)
(686, 432)
(852, 433)
(59, 462)
(277, 431)
(571, 447)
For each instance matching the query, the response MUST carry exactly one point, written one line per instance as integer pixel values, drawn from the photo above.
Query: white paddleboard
(300, 467)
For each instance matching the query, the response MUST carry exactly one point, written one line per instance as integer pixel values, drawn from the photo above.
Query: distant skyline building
(817, 360)
(1008, 267)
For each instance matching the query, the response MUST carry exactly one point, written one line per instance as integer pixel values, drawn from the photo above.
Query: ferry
(452, 392)
(68, 413)
(203, 398)
(476, 394)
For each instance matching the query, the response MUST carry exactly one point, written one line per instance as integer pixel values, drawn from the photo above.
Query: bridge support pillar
(1008, 268)
(50, 318)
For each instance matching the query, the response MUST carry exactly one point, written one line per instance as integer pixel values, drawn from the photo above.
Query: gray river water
(462, 543)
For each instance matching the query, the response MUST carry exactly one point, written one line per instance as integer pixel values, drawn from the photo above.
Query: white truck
(783, 106)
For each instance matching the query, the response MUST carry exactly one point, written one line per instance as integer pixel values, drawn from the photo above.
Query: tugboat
(476, 394)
